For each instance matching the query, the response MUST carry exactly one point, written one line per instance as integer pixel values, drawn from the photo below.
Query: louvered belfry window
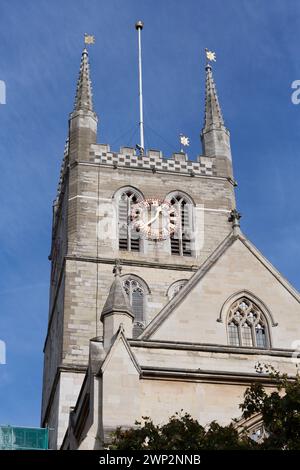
(247, 325)
(181, 239)
(136, 294)
(129, 238)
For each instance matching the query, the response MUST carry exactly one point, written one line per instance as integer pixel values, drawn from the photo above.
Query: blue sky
(257, 46)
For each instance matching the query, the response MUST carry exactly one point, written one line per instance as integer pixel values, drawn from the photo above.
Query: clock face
(156, 219)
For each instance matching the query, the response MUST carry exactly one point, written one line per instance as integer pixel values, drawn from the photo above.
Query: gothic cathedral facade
(149, 324)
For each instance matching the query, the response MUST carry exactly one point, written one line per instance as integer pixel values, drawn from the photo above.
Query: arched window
(136, 291)
(258, 433)
(181, 239)
(253, 426)
(175, 288)
(247, 325)
(129, 237)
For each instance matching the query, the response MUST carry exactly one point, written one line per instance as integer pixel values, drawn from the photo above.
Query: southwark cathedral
(158, 300)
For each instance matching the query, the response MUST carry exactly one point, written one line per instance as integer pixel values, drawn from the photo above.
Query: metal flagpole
(139, 26)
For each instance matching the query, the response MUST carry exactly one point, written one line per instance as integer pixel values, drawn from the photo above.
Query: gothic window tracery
(181, 239)
(136, 292)
(258, 433)
(129, 237)
(247, 325)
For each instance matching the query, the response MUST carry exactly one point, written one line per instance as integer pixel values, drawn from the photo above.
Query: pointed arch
(125, 197)
(179, 192)
(137, 290)
(181, 240)
(123, 189)
(175, 288)
(245, 293)
(254, 427)
(247, 321)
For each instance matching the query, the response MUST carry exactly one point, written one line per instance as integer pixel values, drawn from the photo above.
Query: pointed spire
(117, 300)
(215, 136)
(83, 121)
(84, 96)
(213, 115)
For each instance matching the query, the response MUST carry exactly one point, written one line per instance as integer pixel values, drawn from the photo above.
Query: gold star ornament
(210, 55)
(88, 39)
(184, 140)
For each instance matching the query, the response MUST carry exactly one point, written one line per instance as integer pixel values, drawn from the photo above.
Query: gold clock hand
(158, 210)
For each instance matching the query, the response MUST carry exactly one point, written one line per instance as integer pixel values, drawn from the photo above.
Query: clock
(154, 218)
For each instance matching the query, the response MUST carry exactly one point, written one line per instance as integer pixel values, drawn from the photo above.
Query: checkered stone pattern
(155, 163)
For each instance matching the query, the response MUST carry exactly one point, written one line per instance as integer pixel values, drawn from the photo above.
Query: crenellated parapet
(154, 160)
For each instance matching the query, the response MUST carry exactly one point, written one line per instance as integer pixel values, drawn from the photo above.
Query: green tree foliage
(279, 411)
(182, 432)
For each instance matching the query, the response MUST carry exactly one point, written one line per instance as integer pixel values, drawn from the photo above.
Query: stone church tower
(184, 318)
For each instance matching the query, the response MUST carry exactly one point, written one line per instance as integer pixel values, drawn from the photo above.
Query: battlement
(153, 160)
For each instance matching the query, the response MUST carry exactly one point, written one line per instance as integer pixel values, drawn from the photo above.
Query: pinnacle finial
(139, 25)
(117, 300)
(89, 38)
(234, 218)
(210, 57)
(117, 268)
(83, 99)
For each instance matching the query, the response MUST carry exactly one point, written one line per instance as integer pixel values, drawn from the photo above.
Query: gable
(120, 374)
(238, 267)
(120, 357)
